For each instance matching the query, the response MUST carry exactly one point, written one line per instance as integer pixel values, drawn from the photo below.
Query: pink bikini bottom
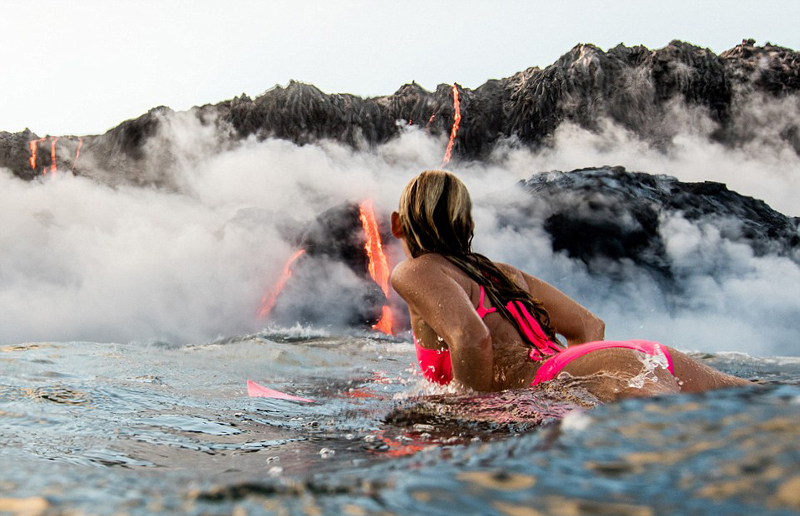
(552, 366)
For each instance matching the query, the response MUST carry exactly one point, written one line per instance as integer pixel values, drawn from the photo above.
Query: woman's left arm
(445, 306)
(567, 317)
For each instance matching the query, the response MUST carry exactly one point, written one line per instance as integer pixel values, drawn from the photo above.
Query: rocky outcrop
(608, 214)
(633, 87)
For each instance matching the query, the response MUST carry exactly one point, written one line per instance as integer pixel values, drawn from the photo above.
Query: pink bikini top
(437, 367)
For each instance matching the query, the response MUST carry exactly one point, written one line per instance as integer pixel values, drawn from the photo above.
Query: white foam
(576, 421)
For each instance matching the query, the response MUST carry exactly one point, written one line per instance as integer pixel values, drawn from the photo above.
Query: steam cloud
(84, 261)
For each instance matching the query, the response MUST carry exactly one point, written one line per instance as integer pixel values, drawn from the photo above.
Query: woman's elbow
(473, 361)
(590, 329)
(475, 344)
(483, 345)
(597, 329)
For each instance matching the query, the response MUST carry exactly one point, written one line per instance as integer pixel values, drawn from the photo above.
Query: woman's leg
(694, 376)
(616, 373)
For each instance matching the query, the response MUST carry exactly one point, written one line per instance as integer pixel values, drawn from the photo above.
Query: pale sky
(84, 66)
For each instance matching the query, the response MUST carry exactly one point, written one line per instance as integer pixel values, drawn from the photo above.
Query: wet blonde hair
(436, 214)
(436, 217)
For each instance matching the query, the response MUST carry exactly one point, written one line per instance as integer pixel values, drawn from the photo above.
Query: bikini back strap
(482, 310)
(543, 346)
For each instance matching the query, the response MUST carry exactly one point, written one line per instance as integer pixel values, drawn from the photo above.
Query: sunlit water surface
(148, 428)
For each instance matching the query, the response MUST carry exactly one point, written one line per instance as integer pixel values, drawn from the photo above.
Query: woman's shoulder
(426, 266)
(512, 272)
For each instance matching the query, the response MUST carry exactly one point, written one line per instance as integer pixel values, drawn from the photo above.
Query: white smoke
(83, 261)
(765, 167)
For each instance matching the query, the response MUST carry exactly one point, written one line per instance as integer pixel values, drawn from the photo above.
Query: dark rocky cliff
(633, 87)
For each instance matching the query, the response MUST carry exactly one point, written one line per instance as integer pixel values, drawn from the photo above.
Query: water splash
(651, 363)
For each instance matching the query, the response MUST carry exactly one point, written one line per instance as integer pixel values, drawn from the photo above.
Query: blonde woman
(490, 326)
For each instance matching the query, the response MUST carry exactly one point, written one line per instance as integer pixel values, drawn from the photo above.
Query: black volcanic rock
(602, 215)
(337, 233)
(15, 149)
(333, 239)
(634, 87)
(303, 114)
(769, 68)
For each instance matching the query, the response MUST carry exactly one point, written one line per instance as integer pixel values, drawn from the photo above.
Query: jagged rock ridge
(633, 87)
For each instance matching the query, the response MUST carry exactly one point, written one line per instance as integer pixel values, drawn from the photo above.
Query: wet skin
(490, 355)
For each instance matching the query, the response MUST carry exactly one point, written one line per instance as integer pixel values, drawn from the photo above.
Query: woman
(491, 327)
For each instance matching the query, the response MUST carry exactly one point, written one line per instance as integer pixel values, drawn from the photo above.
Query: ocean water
(118, 397)
(153, 428)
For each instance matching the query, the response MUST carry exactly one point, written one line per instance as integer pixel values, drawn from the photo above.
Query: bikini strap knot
(543, 347)
(482, 310)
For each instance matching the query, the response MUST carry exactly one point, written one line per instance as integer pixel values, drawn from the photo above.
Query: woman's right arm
(444, 305)
(567, 317)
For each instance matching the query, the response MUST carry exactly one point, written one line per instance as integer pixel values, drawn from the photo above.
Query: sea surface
(153, 428)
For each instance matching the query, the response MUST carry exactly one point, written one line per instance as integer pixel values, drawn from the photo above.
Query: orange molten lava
(77, 153)
(430, 121)
(385, 324)
(33, 145)
(53, 140)
(378, 263)
(454, 130)
(268, 301)
(399, 449)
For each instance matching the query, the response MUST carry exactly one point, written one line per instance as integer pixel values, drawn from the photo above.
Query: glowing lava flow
(268, 301)
(53, 140)
(34, 144)
(77, 153)
(430, 121)
(456, 123)
(378, 263)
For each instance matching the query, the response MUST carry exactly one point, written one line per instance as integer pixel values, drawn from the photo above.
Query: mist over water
(83, 261)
